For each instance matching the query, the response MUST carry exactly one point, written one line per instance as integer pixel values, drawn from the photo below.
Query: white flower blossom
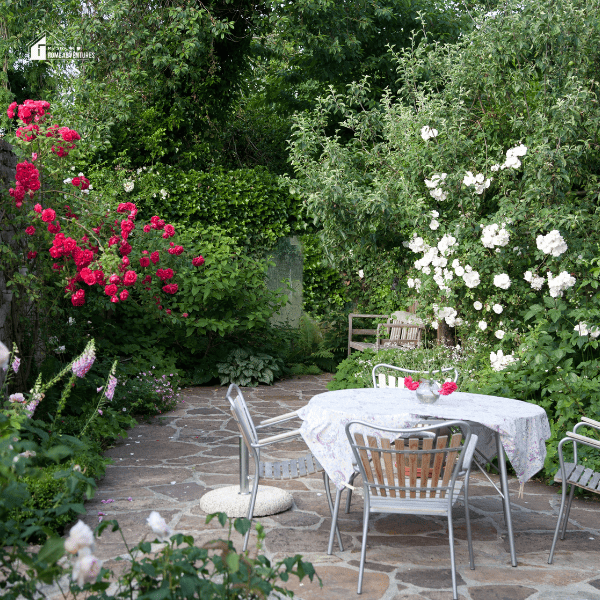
(502, 281)
(512, 162)
(537, 283)
(417, 244)
(438, 194)
(583, 329)
(469, 179)
(434, 224)
(361, 274)
(528, 276)
(435, 214)
(428, 132)
(477, 305)
(68, 180)
(426, 270)
(482, 325)
(552, 244)
(459, 271)
(80, 536)
(159, 526)
(494, 168)
(435, 324)
(493, 236)
(471, 278)
(499, 334)
(446, 243)
(563, 281)
(499, 362)
(436, 181)
(128, 186)
(497, 308)
(86, 569)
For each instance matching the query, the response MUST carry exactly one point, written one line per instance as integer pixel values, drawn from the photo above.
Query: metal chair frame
(249, 439)
(402, 499)
(574, 475)
(379, 381)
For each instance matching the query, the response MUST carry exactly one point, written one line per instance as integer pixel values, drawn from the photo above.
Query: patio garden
(446, 159)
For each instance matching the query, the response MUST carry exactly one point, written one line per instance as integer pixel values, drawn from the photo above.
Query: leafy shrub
(248, 368)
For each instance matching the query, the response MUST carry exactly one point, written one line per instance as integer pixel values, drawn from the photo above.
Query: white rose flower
(428, 132)
(499, 334)
(86, 569)
(471, 278)
(502, 281)
(469, 179)
(417, 282)
(435, 324)
(499, 362)
(128, 186)
(426, 270)
(459, 271)
(361, 274)
(482, 325)
(434, 224)
(468, 268)
(477, 305)
(553, 243)
(417, 244)
(435, 214)
(563, 281)
(438, 194)
(159, 526)
(581, 328)
(494, 168)
(410, 283)
(497, 308)
(528, 276)
(80, 536)
(537, 283)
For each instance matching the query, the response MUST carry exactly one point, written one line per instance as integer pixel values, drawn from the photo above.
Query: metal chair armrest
(278, 438)
(582, 439)
(276, 420)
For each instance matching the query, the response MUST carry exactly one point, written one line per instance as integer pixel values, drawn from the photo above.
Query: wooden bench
(402, 329)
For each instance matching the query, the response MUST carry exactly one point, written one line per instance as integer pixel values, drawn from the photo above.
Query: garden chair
(392, 483)
(574, 474)
(403, 329)
(285, 469)
(381, 380)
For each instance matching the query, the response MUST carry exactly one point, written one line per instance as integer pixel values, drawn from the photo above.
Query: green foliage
(248, 368)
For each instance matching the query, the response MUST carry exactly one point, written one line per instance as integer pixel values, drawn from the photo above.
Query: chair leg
(333, 511)
(468, 522)
(334, 525)
(363, 550)
(452, 557)
(558, 522)
(251, 508)
(349, 496)
(566, 517)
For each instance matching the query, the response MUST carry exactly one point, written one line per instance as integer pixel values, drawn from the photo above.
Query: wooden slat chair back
(575, 474)
(383, 379)
(419, 472)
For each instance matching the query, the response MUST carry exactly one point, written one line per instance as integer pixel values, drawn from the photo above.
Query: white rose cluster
(499, 361)
(478, 181)
(493, 235)
(446, 243)
(535, 281)
(417, 244)
(428, 132)
(81, 542)
(553, 243)
(583, 329)
(435, 186)
(512, 158)
(128, 186)
(502, 281)
(414, 283)
(563, 281)
(448, 314)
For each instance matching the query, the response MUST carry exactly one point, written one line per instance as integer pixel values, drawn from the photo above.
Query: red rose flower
(169, 231)
(54, 227)
(147, 279)
(37, 208)
(184, 315)
(48, 215)
(78, 298)
(30, 230)
(114, 279)
(147, 228)
(124, 295)
(11, 110)
(198, 261)
(31, 255)
(448, 388)
(130, 278)
(154, 257)
(110, 290)
(144, 261)
(114, 299)
(410, 384)
(170, 288)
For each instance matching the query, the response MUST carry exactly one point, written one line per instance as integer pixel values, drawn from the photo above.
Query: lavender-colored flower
(84, 363)
(30, 408)
(16, 363)
(110, 388)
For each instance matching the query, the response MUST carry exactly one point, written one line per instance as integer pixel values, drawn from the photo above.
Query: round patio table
(504, 425)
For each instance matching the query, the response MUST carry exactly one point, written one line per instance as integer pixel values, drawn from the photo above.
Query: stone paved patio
(169, 464)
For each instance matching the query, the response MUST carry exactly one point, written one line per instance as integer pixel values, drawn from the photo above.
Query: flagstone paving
(168, 464)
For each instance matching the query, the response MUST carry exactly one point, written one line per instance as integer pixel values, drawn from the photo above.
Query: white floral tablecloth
(523, 427)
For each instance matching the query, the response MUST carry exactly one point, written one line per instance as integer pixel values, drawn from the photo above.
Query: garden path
(168, 464)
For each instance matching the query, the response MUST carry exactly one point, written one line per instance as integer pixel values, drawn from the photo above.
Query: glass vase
(428, 392)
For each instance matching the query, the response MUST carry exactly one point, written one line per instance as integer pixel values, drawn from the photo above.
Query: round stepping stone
(269, 501)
